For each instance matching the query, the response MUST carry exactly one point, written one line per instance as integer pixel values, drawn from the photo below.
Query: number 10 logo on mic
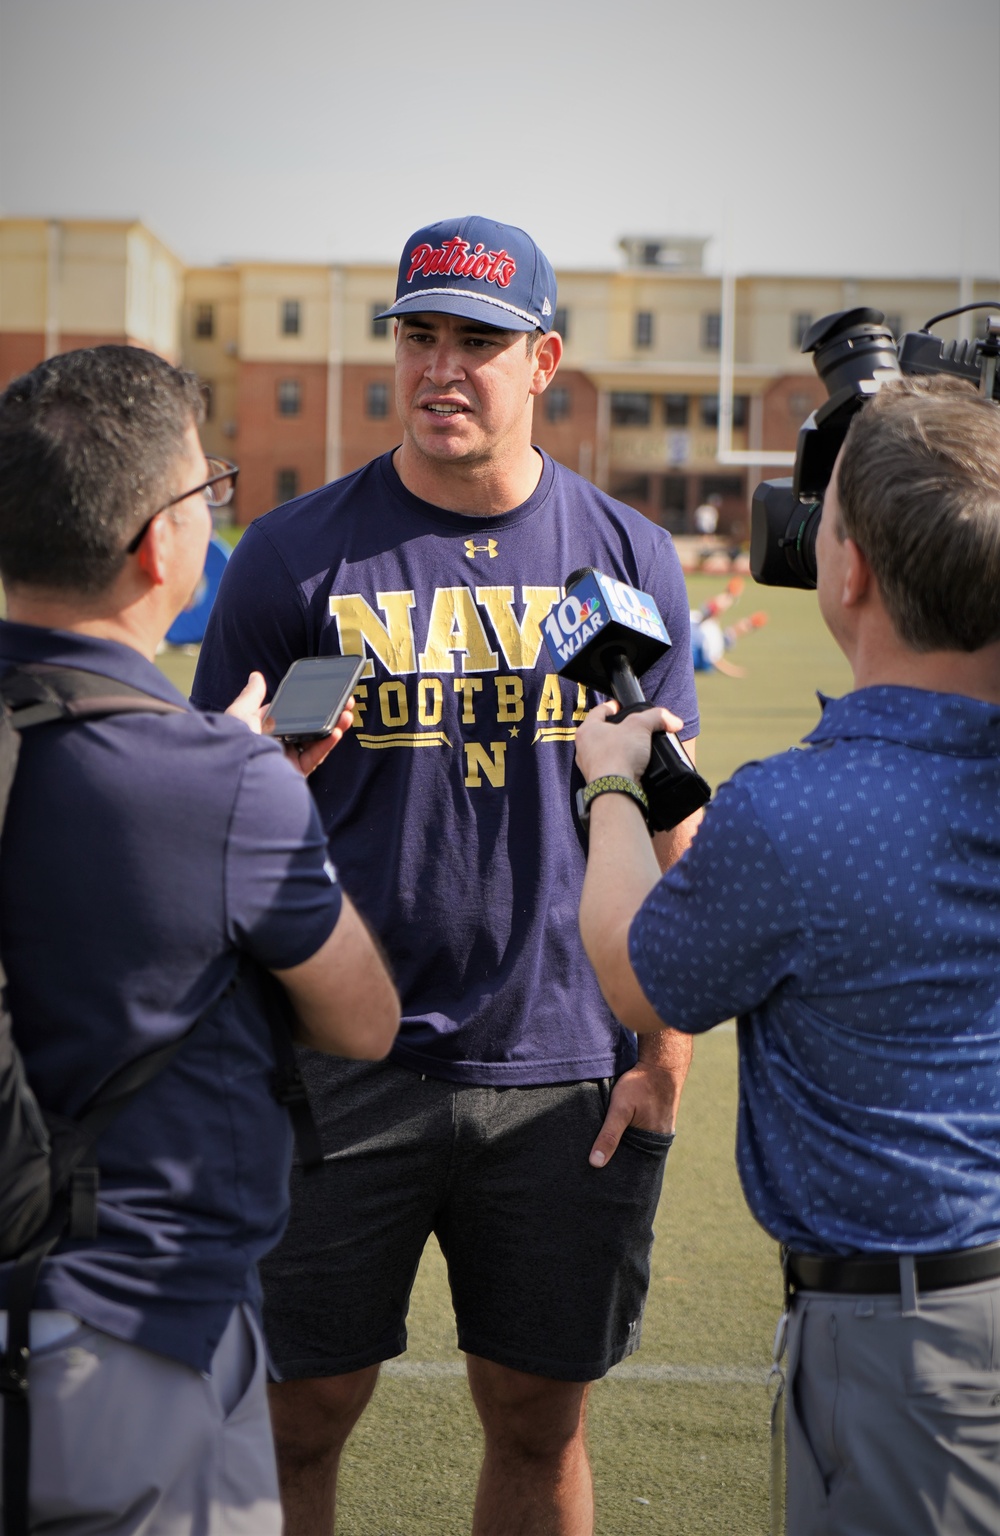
(601, 606)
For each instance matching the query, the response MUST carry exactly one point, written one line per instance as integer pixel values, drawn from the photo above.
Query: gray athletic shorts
(548, 1258)
(893, 1418)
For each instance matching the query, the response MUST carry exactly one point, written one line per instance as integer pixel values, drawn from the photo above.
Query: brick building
(298, 372)
(68, 283)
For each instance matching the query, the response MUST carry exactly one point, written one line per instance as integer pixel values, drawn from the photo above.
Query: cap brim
(468, 306)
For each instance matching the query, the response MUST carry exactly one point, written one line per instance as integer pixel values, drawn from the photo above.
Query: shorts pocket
(653, 1143)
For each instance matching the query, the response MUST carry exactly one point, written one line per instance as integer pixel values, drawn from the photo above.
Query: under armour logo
(472, 549)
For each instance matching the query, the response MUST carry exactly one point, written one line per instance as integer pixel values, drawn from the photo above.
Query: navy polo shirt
(844, 901)
(143, 855)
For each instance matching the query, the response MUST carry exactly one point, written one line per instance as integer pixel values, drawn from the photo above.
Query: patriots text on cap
(477, 269)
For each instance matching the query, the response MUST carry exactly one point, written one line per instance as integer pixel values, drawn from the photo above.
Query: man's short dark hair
(919, 492)
(88, 444)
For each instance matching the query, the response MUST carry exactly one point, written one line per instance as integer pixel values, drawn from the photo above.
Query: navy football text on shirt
(448, 806)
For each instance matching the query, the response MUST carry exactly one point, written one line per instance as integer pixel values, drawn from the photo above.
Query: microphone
(601, 634)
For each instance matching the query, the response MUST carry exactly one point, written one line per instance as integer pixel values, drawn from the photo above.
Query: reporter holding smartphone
(149, 860)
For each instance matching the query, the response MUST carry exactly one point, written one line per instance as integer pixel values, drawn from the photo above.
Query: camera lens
(850, 347)
(783, 536)
(801, 545)
(853, 352)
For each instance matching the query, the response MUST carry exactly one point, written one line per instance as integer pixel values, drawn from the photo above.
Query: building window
(630, 488)
(208, 395)
(377, 401)
(675, 410)
(711, 330)
(801, 323)
(204, 321)
(644, 328)
(561, 322)
(673, 493)
(286, 485)
(895, 324)
(291, 317)
(630, 410)
(708, 410)
(558, 403)
(724, 486)
(379, 327)
(289, 397)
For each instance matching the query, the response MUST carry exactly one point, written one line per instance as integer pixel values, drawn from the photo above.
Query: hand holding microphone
(601, 634)
(627, 750)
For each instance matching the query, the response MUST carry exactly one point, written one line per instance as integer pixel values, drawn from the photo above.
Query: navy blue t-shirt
(449, 805)
(143, 855)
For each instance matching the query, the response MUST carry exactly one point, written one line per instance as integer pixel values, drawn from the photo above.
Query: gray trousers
(892, 1423)
(128, 1443)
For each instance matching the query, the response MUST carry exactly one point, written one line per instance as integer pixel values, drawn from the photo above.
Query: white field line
(699, 1375)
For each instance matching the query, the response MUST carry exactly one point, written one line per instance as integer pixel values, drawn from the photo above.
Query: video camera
(854, 354)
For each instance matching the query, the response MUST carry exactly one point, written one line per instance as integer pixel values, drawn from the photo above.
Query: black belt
(878, 1273)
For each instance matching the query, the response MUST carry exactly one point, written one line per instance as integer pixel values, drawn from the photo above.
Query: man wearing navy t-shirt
(448, 811)
(148, 859)
(844, 902)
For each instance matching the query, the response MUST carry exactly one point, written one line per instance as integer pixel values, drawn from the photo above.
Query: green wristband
(610, 784)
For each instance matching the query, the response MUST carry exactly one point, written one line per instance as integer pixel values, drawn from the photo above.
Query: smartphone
(311, 696)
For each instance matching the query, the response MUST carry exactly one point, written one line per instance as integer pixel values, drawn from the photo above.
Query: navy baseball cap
(478, 269)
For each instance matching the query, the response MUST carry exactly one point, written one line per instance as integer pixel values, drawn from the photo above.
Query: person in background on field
(710, 642)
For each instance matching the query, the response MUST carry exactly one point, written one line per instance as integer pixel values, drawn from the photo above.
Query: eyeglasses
(217, 490)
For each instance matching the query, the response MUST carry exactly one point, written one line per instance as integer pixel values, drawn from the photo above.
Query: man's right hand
(604, 746)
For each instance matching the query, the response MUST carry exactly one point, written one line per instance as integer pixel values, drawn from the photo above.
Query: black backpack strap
(73, 1140)
(14, 1377)
(38, 693)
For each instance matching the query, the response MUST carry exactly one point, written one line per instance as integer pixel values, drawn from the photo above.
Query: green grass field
(678, 1434)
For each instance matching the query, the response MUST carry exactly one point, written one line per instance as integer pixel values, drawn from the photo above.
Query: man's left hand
(645, 1097)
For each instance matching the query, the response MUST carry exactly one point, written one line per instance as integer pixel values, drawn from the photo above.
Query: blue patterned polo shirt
(844, 901)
